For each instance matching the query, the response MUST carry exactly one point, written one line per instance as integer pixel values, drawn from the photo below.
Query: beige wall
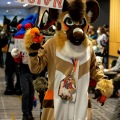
(114, 41)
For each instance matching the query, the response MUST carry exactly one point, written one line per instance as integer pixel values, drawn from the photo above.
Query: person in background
(11, 72)
(91, 33)
(115, 68)
(3, 42)
(21, 58)
(102, 45)
(92, 36)
(106, 27)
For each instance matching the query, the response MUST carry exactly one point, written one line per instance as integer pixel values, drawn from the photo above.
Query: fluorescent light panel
(8, 2)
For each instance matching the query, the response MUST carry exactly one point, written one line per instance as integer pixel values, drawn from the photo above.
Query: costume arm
(37, 63)
(95, 72)
(103, 85)
(37, 57)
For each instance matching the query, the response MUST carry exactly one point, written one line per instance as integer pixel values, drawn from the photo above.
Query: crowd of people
(100, 40)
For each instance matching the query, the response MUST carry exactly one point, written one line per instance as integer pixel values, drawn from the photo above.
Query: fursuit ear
(92, 10)
(6, 23)
(54, 13)
(14, 22)
(46, 22)
(44, 19)
(65, 6)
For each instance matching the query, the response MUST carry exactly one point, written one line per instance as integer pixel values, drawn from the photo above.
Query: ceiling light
(7, 11)
(25, 5)
(8, 2)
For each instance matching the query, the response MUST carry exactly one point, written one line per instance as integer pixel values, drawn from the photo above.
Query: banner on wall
(57, 4)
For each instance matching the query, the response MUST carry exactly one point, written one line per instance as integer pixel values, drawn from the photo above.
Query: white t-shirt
(102, 38)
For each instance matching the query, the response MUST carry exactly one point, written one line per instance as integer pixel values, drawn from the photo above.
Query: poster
(57, 4)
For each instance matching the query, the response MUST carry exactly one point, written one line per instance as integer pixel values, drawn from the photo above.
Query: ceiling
(3, 4)
(13, 8)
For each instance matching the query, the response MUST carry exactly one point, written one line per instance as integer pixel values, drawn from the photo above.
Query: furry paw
(104, 90)
(33, 40)
(106, 87)
(100, 98)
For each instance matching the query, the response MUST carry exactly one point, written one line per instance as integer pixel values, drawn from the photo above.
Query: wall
(114, 27)
(114, 43)
(104, 13)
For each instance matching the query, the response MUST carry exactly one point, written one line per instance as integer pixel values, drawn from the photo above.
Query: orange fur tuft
(34, 31)
(28, 39)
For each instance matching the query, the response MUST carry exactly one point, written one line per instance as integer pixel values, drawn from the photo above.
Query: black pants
(11, 70)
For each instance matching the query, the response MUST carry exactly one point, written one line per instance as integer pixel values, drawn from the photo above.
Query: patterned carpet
(103, 112)
(10, 106)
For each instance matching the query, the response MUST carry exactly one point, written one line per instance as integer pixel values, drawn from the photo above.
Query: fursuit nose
(78, 33)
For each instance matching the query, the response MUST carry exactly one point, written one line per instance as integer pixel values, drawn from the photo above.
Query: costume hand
(100, 98)
(15, 53)
(33, 40)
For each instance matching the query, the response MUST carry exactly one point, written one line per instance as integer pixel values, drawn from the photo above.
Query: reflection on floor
(10, 106)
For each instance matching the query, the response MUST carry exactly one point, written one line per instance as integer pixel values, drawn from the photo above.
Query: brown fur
(61, 36)
(60, 20)
(77, 9)
(85, 42)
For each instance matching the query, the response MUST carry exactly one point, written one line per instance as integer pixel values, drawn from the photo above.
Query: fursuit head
(72, 23)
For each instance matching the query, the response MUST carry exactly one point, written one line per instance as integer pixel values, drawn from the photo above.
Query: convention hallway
(10, 105)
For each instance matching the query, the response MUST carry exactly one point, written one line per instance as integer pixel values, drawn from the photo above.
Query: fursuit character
(68, 56)
(10, 65)
(92, 83)
(47, 26)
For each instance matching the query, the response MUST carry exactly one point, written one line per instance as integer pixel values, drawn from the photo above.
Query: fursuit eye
(69, 22)
(82, 22)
